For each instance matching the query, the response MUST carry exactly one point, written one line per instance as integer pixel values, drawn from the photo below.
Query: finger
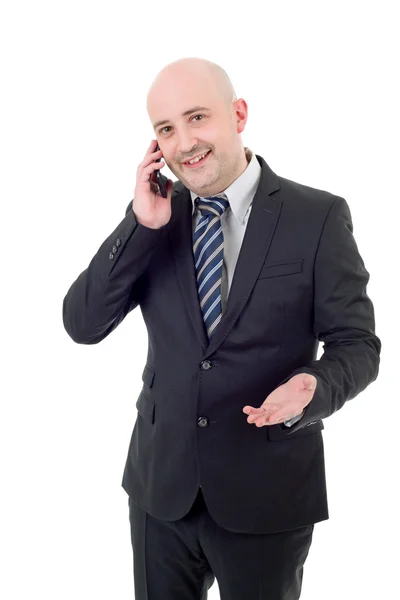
(256, 420)
(150, 161)
(256, 412)
(153, 144)
(261, 409)
(147, 164)
(261, 421)
(149, 151)
(259, 416)
(152, 167)
(247, 409)
(150, 155)
(268, 419)
(250, 410)
(148, 174)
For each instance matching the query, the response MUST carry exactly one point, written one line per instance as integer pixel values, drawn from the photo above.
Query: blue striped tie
(208, 251)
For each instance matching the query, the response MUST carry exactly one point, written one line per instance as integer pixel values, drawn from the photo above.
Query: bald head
(194, 112)
(187, 73)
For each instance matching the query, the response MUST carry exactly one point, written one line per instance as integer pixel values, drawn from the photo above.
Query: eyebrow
(187, 112)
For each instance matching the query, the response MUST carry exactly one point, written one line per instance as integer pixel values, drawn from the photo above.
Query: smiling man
(239, 273)
(186, 128)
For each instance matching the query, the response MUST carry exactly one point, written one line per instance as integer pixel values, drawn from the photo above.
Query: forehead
(173, 102)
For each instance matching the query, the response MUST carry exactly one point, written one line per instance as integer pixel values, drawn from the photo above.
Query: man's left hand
(285, 402)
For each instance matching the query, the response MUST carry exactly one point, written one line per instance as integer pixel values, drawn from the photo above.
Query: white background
(320, 80)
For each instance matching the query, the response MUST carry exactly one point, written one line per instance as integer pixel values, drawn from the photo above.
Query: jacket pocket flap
(145, 406)
(148, 375)
(281, 432)
(288, 268)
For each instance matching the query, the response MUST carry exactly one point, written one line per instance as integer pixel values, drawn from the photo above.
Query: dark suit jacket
(299, 279)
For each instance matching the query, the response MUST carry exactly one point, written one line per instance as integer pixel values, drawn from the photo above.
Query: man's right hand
(150, 208)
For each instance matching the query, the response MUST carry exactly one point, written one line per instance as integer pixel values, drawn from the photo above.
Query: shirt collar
(241, 192)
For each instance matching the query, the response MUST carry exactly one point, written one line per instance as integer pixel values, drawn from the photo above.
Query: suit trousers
(179, 560)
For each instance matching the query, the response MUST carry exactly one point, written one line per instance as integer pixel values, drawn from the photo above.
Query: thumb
(309, 382)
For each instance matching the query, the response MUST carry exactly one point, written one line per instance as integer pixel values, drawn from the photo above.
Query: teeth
(195, 160)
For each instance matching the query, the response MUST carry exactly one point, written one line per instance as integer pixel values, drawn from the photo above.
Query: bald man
(239, 274)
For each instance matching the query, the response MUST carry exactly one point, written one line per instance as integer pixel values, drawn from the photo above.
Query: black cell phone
(160, 178)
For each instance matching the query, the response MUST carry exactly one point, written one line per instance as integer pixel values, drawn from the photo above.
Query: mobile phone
(161, 180)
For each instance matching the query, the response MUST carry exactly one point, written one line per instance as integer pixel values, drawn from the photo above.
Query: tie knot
(215, 205)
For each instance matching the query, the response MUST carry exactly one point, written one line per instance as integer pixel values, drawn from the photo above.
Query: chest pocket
(284, 268)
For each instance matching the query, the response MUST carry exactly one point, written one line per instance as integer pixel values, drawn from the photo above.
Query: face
(212, 128)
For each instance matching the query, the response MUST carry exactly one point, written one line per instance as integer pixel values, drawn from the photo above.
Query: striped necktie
(208, 251)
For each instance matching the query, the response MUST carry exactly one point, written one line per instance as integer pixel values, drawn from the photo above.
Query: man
(239, 273)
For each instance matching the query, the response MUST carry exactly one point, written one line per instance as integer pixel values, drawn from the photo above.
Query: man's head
(182, 86)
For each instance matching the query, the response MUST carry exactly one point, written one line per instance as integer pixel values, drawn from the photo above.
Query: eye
(168, 126)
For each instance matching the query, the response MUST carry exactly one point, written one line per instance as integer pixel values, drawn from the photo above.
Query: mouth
(198, 163)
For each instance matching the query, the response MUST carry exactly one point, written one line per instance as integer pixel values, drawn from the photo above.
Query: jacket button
(118, 243)
(205, 365)
(111, 256)
(202, 422)
(114, 249)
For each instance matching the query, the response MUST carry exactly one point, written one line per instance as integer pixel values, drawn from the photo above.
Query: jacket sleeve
(343, 320)
(107, 290)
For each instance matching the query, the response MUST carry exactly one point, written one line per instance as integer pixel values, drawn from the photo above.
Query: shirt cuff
(293, 420)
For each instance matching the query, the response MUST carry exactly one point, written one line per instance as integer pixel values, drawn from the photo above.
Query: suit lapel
(256, 242)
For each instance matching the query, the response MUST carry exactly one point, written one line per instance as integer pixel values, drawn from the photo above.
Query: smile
(197, 163)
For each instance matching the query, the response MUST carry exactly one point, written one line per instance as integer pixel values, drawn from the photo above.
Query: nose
(186, 145)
